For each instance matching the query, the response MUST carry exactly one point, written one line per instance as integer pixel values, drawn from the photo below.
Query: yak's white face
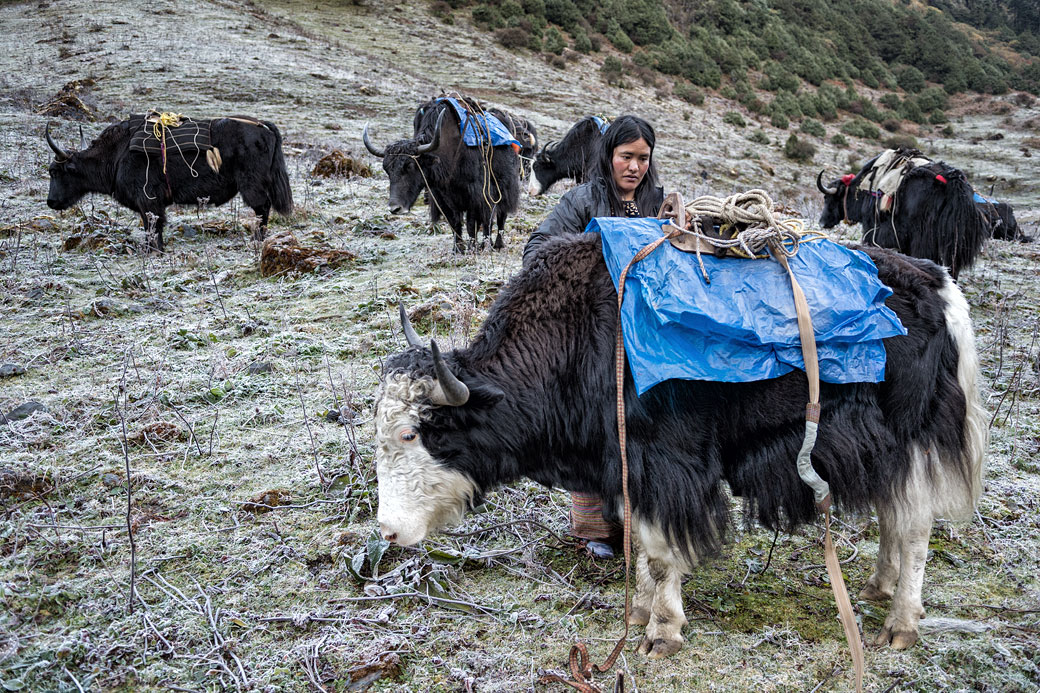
(417, 494)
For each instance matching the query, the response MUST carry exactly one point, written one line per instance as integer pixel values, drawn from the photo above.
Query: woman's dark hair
(625, 129)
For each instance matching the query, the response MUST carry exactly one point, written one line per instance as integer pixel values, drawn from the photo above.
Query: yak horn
(449, 391)
(825, 191)
(432, 144)
(368, 144)
(406, 325)
(59, 153)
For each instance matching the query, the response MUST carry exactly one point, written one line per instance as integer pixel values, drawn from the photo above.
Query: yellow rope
(163, 122)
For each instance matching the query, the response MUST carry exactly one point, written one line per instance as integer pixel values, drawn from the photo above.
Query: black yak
(477, 184)
(568, 158)
(910, 203)
(533, 396)
(246, 158)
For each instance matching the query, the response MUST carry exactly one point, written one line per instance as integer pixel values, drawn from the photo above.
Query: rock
(260, 367)
(111, 480)
(104, 306)
(22, 411)
(9, 369)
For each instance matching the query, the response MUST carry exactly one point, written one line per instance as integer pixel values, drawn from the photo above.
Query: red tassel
(847, 178)
(940, 179)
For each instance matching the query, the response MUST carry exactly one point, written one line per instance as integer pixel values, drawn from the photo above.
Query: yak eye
(407, 435)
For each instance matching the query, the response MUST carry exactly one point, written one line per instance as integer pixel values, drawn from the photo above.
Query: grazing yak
(242, 156)
(910, 203)
(571, 157)
(533, 396)
(1000, 219)
(477, 184)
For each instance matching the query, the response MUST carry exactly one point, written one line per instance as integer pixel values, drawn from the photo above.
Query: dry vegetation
(230, 411)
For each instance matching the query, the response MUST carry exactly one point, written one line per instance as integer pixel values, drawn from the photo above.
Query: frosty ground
(252, 503)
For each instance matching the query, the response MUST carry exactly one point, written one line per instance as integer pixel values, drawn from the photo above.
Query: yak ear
(485, 394)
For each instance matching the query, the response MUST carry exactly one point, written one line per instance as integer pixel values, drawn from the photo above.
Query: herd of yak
(902, 199)
(533, 395)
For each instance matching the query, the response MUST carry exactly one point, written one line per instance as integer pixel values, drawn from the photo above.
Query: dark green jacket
(575, 210)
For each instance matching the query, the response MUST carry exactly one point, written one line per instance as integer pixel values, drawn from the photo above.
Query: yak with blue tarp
(742, 325)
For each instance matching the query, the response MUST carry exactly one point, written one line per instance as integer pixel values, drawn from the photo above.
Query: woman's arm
(571, 215)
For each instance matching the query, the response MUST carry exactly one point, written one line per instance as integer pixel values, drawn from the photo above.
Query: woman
(622, 183)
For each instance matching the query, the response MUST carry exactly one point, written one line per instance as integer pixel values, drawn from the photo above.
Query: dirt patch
(72, 102)
(336, 163)
(283, 253)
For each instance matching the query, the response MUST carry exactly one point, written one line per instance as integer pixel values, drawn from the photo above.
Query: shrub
(813, 127)
(513, 37)
(910, 79)
(892, 124)
(890, 101)
(733, 118)
(932, 99)
(619, 38)
(778, 77)
(644, 21)
(839, 140)
(557, 61)
(937, 118)
(442, 11)
(799, 150)
(861, 128)
(897, 141)
(510, 8)
(552, 41)
(779, 120)
(689, 93)
(534, 7)
(612, 69)
(728, 92)
(488, 17)
(582, 44)
(564, 13)
(759, 137)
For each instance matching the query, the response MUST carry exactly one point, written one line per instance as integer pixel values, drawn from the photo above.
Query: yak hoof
(872, 593)
(659, 648)
(499, 243)
(638, 616)
(898, 639)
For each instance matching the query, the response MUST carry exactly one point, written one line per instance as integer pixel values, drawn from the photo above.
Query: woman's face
(630, 162)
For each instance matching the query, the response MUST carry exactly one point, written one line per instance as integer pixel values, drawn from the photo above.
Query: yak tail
(281, 197)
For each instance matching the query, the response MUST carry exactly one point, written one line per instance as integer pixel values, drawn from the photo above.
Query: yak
(1000, 219)
(247, 159)
(475, 184)
(908, 202)
(571, 157)
(534, 396)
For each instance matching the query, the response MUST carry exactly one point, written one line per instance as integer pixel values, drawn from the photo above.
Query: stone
(9, 369)
(22, 411)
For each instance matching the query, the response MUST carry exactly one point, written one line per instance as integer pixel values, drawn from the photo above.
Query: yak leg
(910, 520)
(664, 568)
(153, 229)
(664, 631)
(882, 584)
(499, 243)
(263, 212)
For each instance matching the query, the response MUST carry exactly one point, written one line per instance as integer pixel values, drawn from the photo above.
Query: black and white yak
(472, 184)
(249, 161)
(534, 396)
(910, 203)
(571, 157)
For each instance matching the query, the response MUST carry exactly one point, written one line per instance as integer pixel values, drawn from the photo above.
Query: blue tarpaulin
(475, 127)
(977, 198)
(742, 326)
(601, 124)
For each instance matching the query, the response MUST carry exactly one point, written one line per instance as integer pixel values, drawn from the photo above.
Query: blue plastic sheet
(601, 124)
(475, 127)
(742, 326)
(977, 198)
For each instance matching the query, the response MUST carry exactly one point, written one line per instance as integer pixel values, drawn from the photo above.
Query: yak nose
(397, 208)
(53, 204)
(387, 533)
